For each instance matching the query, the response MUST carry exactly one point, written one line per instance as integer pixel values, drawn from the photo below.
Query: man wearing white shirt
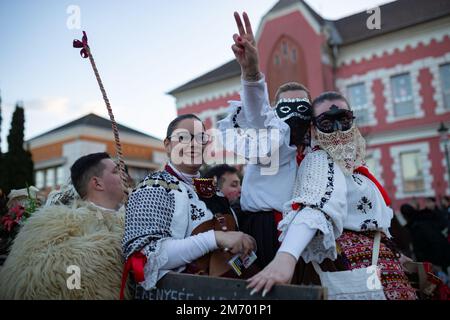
(264, 193)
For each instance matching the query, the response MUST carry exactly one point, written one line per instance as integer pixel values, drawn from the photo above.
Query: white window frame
(413, 72)
(424, 149)
(436, 83)
(444, 164)
(367, 106)
(53, 183)
(416, 157)
(408, 78)
(40, 171)
(63, 180)
(375, 153)
(430, 63)
(343, 84)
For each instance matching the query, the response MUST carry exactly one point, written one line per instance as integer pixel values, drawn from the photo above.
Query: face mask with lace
(347, 148)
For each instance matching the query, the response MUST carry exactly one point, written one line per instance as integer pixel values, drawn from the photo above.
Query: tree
(17, 161)
(2, 166)
(0, 126)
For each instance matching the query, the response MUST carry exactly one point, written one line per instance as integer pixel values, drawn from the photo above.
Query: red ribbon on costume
(365, 172)
(299, 157)
(136, 263)
(278, 216)
(82, 44)
(172, 172)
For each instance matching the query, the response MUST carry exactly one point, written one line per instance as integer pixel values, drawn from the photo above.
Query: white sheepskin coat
(57, 237)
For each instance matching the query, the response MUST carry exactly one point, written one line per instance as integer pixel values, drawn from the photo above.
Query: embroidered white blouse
(161, 214)
(263, 189)
(332, 202)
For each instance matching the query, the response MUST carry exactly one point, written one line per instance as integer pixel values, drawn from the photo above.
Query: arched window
(287, 63)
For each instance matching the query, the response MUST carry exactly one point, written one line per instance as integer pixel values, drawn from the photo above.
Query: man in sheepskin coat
(72, 251)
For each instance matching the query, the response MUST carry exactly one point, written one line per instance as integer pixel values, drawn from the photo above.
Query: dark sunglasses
(334, 120)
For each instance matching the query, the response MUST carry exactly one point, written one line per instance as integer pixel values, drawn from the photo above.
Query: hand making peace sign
(245, 49)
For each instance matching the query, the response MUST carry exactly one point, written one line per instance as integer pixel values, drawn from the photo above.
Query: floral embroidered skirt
(354, 252)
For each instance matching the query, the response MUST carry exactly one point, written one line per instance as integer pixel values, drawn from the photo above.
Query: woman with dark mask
(338, 218)
(271, 163)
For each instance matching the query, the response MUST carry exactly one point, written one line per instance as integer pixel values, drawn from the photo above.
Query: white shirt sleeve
(322, 190)
(297, 238)
(183, 251)
(255, 99)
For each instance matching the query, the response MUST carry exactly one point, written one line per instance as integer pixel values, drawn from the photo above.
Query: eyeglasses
(335, 120)
(186, 137)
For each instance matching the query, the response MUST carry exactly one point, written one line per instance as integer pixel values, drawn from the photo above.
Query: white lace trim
(315, 181)
(155, 261)
(323, 244)
(244, 140)
(284, 224)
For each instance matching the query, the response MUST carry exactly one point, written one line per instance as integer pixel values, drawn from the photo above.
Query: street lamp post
(443, 133)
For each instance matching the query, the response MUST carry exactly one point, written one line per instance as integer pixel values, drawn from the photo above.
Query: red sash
(365, 172)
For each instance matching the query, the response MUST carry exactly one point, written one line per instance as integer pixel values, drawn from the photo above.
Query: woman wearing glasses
(176, 221)
(338, 218)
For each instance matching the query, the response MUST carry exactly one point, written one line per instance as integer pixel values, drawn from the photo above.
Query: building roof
(282, 4)
(93, 120)
(225, 71)
(395, 16)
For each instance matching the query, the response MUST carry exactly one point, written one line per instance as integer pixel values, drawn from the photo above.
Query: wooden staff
(86, 53)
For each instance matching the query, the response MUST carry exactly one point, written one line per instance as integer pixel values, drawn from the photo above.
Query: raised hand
(245, 49)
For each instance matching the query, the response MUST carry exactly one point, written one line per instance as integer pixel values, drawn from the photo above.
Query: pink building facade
(397, 80)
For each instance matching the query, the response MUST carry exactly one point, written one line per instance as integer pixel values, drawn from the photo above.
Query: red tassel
(136, 263)
(82, 44)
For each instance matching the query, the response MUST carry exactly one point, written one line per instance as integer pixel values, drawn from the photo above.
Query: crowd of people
(427, 231)
(320, 218)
